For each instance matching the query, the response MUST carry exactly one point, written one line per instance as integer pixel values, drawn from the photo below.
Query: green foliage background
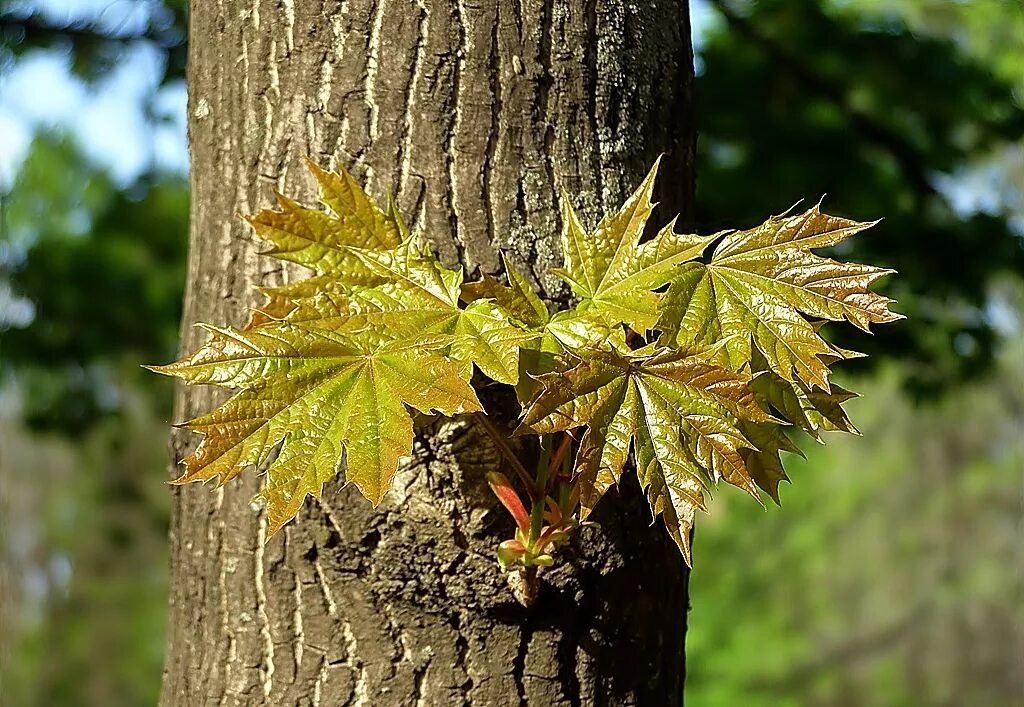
(892, 574)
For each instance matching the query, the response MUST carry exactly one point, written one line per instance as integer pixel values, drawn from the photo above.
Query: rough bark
(475, 114)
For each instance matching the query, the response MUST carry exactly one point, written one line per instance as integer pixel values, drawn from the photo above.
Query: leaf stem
(560, 454)
(537, 512)
(543, 468)
(502, 444)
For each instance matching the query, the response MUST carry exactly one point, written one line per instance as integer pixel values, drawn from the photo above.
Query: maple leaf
(611, 271)
(517, 298)
(759, 284)
(323, 241)
(328, 372)
(764, 464)
(324, 397)
(554, 334)
(810, 408)
(564, 330)
(680, 413)
(419, 296)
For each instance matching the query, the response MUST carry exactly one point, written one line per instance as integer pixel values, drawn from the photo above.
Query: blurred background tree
(891, 577)
(892, 574)
(92, 245)
(892, 112)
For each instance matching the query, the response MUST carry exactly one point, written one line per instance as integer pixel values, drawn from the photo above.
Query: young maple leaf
(323, 241)
(806, 407)
(561, 331)
(614, 274)
(552, 334)
(416, 296)
(810, 408)
(324, 397)
(679, 412)
(758, 286)
(517, 298)
(764, 464)
(327, 370)
(419, 297)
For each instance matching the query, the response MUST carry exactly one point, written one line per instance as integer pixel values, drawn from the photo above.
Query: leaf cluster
(684, 356)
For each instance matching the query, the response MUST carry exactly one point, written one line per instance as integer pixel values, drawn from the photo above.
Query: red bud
(502, 488)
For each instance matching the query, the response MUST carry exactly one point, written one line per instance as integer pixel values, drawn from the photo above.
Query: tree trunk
(475, 114)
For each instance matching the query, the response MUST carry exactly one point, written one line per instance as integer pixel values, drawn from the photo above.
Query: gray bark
(475, 114)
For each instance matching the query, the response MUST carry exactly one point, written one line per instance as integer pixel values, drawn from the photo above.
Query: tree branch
(908, 158)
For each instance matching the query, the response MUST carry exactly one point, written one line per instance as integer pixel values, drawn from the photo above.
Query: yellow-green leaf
(760, 285)
(811, 409)
(324, 397)
(552, 334)
(485, 337)
(611, 271)
(680, 413)
(322, 241)
(517, 298)
(328, 372)
(764, 463)
(419, 297)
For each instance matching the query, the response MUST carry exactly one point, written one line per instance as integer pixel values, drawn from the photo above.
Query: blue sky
(107, 119)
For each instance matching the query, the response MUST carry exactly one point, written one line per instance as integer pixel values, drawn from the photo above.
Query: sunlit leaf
(329, 371)
(517, 298)
(761, 284)
(764, 464)
(552, 334)
(323, 241)
(611, 271)
(680, 413)
(324, 397)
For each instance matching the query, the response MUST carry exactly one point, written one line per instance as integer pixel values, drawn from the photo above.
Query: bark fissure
(410, 100)
(267, 665)
(592, 48)
(475, 114)
(494, 68)
(459, 53)
(519, 666)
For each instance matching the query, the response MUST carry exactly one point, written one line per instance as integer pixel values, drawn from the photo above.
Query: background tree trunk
(475, 114)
